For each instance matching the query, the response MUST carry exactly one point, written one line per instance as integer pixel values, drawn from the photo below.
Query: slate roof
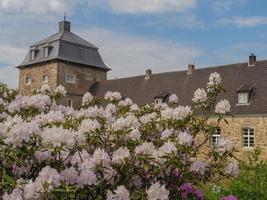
(234, 76)
(66, 46)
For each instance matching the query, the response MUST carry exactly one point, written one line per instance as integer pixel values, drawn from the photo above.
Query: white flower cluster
(121, 193)
(87, 98)
(157, 192)
(89, 125)
(60, 90)
(18, 132)
(173, 98)
(223, 107)
(200, 96)
(126, 102)
(214, 79)
(38, 101)
(179, 112)
(113, 96)
(224, 145)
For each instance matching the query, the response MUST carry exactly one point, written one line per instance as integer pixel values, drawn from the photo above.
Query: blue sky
(163, 35)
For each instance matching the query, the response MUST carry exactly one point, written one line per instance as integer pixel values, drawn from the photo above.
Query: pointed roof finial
(65, 16)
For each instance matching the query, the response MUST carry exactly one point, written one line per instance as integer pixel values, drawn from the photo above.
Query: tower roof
(67, 46)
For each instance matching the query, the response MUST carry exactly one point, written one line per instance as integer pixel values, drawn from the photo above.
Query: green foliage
(251, 183)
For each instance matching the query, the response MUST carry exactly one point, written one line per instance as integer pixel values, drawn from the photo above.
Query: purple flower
(198, 194)
(187, 189)
(230, 197)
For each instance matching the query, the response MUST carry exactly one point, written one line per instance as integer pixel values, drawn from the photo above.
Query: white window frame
(33, 54)
(45, 80)
(46, 51)
(248, 134)
(215, 137)
(69, 101)
(73, 79)
(28, 80)
(243, 97)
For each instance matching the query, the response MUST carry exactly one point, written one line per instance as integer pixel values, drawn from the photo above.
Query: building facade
(62, 59)
(246, 90)
(68, 60)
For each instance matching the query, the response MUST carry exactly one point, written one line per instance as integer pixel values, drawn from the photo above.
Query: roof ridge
(198, 69)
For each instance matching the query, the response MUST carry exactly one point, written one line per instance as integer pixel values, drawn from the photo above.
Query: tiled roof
(66, 46)
(234, 77)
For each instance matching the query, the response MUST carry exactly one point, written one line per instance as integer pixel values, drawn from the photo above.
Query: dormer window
(245, 94)
(161, 97)
(33, 53)
(47, 50)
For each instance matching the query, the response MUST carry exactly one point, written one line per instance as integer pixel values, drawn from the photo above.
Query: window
(215, 138)
(89, 77)
(69, 103)
(248, 137)
(33, 55)
(243, 97)
(46, 52)
(70, 78)
(45, 78)
(158, 101)
(28, 80)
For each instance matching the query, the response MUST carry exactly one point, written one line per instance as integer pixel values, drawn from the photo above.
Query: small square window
(69, 103)
(215, 138)
(248, 137)
(70, 78)
(28, 80)
(243, 97)
(45, 78)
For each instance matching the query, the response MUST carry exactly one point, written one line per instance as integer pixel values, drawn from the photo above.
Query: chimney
(252, 60)
(64, 26)
(148, 74)
(190, 69)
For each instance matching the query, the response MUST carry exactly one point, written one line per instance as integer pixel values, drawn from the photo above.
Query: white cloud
(37, 6)
(244, 21)
(188, 21)
(150, 6)
(11, 54)
(130, 55)
(225, 5)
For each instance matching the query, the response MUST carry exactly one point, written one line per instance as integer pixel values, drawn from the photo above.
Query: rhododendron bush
(111, 148)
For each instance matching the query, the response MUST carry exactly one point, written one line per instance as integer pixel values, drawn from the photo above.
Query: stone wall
(84, 78)
(36, 72)
(57, 71)
(234, 132)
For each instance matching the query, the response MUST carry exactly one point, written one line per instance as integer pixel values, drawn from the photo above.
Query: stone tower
(62, 59)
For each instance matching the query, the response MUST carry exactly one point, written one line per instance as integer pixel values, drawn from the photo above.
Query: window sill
(242, 104)
(71, 82)
(248, 148)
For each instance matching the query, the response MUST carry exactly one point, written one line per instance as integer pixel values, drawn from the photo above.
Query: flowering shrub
(110, 148)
